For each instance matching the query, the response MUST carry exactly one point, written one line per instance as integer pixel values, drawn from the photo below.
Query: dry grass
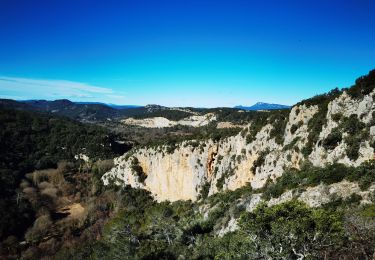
(39, 229)
(54, 176)
(45, 185)
(50, 192)
(104, 165)
(31, 195)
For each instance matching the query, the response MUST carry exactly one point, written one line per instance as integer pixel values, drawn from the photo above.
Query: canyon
(231, 163)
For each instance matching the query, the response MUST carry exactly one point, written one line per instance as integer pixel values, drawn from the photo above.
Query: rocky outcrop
(323, 194)
(312, 196)
(229, 125)
(345, 106)
(160, 122)
(192, 166)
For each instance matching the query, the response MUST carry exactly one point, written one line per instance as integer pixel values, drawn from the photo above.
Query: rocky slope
(160, 122)
(337, 127)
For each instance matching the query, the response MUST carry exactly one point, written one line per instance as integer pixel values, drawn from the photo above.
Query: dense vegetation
(144, 229)
(30, 141)
(157, 111)
(93, 112)
(63, 107)
(238, 116)
(209, 131)
(363, 85)
(171, 136)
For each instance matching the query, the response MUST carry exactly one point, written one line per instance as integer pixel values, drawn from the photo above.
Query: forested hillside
(31, 141)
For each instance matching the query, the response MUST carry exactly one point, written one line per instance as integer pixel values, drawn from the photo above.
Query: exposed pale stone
(228, 125)
(182, 174)
(160, 122)
(252, 202)
(230, 227)
(82, 156)
(314, 196)
(346, 106)
(304, 115)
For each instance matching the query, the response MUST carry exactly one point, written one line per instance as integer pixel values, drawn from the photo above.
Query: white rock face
(299, 115)
(230, 227)
(253, 202)
(161, 122)
(229, 163)
(154, 122)
(197, 121)
(316, 196)
(345, 106)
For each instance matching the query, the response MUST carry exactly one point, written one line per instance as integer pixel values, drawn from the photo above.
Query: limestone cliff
(160, 122)
(194, 166)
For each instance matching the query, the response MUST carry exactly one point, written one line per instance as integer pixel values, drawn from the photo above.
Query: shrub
(363, 86)
(41, 175)
(138, 170)
(307, 176)
(250, 138)
(259, 161)
(278, 121)
(337, 117)
(39, 229)
(353, 199)
(220, 182)
(205, 189)
(291, 230)
(291, 144)
(315, 127)
(353, 144)
(317, 122)
(368, 211)
(332, 140)
(293, 129)
(356, 133)
(50, 192)
(102, 166)
(352, 125)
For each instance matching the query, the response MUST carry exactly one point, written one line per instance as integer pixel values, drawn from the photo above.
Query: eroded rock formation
(233, 162)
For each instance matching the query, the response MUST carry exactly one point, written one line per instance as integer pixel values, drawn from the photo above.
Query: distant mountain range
(93, 111)
(96, 111)
(77, 110)
(263, 106)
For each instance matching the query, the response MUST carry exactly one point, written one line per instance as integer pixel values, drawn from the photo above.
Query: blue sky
(183, 53)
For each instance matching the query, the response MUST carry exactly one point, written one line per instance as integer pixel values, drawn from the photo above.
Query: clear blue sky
(183, 53)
